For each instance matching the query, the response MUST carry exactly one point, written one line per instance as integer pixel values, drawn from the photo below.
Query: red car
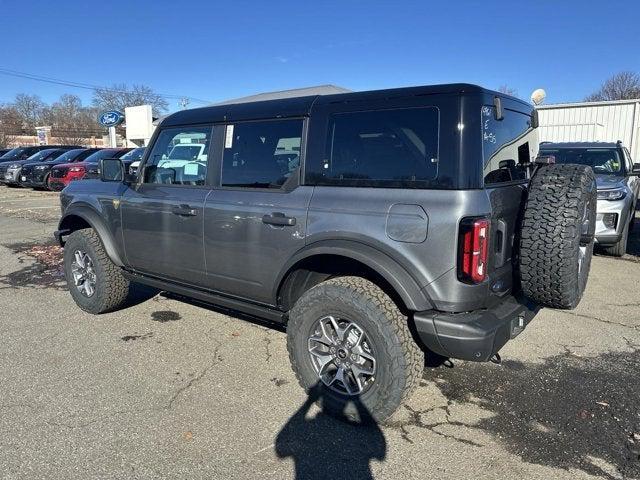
(62, 175)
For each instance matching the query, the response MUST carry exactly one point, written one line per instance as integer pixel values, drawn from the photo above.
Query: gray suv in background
(618, 187)
(377, 226)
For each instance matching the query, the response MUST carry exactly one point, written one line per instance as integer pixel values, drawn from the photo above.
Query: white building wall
(593, 121)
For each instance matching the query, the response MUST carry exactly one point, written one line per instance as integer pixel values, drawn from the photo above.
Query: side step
(261, 311)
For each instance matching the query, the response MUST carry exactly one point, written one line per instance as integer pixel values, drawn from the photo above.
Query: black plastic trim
(476, 335)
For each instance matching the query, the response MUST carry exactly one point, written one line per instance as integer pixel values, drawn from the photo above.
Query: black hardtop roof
(301, 106)
(559, 145)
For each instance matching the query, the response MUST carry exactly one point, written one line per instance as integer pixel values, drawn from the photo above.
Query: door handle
(185, 211)
(280, 219)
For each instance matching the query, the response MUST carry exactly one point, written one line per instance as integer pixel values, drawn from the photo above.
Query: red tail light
(473, 250)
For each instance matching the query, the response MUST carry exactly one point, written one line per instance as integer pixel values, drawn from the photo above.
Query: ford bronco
(378, 226)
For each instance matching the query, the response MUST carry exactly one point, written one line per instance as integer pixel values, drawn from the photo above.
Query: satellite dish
(538, 96)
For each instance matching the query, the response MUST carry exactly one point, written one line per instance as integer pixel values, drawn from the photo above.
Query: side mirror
(636, 169)
(111, 170)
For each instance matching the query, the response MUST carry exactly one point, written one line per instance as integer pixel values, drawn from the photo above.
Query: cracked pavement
(172, 389)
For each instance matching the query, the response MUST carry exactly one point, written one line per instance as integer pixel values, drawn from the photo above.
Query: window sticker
(228, 141)
(191, 169)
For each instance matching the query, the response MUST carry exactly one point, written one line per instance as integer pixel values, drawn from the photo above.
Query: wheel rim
(341, 355)
(84, 275)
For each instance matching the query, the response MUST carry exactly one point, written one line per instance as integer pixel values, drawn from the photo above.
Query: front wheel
(350, 343)
(95, 282)
(620, 248)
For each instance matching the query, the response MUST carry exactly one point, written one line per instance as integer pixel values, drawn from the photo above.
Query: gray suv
(377, 226)
(618, 187)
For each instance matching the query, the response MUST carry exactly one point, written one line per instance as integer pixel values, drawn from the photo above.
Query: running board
(267, 313)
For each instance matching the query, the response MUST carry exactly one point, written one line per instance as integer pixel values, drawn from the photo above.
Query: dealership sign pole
(111, 119)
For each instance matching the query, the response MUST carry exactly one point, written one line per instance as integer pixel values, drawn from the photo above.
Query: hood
(70, 164)
(606, 182)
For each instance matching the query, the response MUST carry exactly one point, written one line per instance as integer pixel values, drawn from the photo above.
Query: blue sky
(217, 50)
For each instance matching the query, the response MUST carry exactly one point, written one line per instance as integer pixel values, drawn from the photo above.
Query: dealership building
(592, 122)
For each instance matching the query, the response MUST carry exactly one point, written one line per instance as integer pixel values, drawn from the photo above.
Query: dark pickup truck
(378, 226)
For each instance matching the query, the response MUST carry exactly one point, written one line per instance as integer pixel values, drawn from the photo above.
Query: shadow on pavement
(571, 412)
(330, 447)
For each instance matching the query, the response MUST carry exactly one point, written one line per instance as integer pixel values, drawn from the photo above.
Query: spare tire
(557, 235)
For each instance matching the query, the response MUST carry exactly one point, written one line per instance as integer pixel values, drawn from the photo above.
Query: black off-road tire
(111, 289)
(620, 248)
(558, 224)
(399, 360)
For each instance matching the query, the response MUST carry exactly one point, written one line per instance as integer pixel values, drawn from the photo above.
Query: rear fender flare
(397, 276)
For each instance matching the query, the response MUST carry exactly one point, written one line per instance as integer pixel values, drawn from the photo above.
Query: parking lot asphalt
(172, 389)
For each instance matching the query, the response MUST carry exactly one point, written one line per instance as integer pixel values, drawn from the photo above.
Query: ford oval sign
(111, 118)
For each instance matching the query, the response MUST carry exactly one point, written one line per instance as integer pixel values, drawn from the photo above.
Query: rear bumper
(474, 335)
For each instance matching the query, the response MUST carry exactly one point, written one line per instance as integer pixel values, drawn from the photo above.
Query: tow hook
(496, 358)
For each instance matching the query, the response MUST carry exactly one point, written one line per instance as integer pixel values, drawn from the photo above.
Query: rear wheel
(350, 343)
(95, 282)
(557, 235)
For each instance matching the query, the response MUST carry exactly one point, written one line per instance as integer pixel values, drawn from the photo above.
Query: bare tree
(621, 86)
(10, 125)
(119, 96)
(31, 109)
(71, 122)
(506, 89)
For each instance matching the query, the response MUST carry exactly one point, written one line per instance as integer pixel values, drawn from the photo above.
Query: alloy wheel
(341, 355)
(84, 275)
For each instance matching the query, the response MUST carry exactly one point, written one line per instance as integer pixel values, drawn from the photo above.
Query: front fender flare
(402, 282)
(68, 224)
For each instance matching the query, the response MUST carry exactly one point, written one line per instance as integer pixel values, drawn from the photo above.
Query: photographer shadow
(331, 446)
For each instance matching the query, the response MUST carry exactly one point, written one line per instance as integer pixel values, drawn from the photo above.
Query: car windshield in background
(100, 154)
(601, 160)
(66, 156)
(135, 154)
(11, 154)
(186, 152)
(41, 155)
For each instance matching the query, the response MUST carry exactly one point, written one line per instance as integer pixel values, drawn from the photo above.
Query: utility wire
(86, 86)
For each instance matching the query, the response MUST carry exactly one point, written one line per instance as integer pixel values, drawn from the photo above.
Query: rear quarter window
(395, 148)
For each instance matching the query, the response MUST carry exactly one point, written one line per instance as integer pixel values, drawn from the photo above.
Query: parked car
(22, 153)
(127, 160)
(36, 175)
(3, 151)
(61, 175)
(134, 156)
(618, 187)
(10, 172)
(395, 230)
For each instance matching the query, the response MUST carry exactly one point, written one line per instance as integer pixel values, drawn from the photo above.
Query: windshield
(601, 160)
(41, 155)
(100, 154)
(67, 156)
(13, 153)
(135, 154)
(186, 152)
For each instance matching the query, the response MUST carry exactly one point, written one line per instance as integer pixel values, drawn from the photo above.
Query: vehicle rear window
(507, 145)
(382, 148)
(601, 160)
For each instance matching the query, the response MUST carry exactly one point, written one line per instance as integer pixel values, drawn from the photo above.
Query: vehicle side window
(507, 145)
(261, 154)
(179, 157)
(382, 148)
